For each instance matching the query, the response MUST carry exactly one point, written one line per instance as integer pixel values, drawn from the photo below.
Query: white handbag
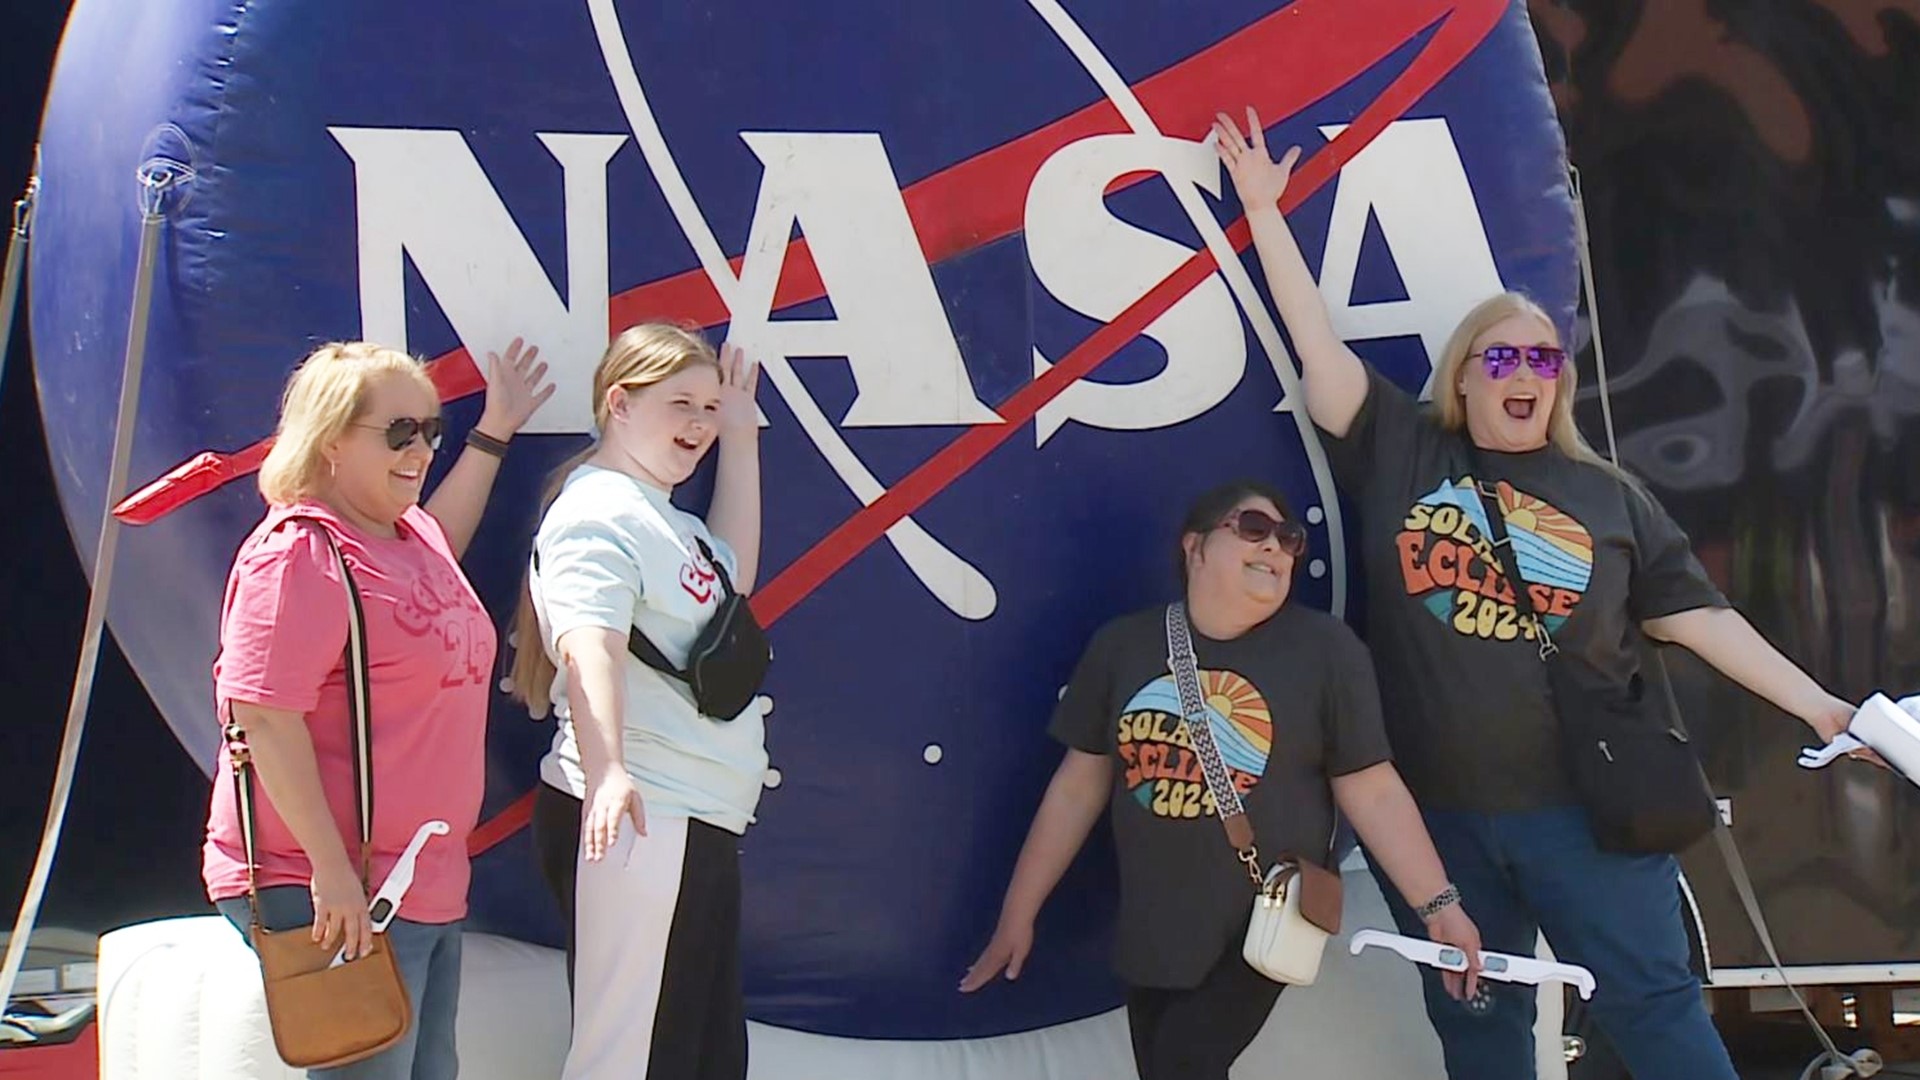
(1296, 903)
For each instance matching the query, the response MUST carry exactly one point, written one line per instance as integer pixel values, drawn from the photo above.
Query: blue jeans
(429, 959)
(1616, 915)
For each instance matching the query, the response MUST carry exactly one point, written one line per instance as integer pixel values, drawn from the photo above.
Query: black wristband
(486, 443)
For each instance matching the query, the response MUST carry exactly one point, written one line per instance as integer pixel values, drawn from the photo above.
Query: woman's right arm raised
(1073, 803)
(282, 753)
(1335, 378)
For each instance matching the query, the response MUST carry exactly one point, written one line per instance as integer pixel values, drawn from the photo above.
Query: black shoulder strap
(726, 582)
(643, 648)
(1509, 559)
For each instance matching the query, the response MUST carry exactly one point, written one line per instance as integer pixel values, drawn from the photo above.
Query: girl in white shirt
(643, 798)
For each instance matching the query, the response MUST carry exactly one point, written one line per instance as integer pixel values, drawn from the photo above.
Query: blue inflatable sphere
(988, 258)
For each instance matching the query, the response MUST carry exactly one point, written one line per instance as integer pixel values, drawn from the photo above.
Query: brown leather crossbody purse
(324, 1016)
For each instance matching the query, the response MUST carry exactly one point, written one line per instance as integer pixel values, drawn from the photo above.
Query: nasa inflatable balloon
(995, 275)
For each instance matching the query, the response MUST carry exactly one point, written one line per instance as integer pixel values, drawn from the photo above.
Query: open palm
(1259, 180)
(516, 388)
(739, 380)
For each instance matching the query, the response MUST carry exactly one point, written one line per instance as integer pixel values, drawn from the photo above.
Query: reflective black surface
(1752, 180)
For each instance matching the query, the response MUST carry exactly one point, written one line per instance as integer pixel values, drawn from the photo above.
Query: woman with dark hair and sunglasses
(1465, 689)
(358, 428)
(1291, 703)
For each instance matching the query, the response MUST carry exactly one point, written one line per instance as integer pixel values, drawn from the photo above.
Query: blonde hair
(326, 393)
(641, 356)
(1450, 401)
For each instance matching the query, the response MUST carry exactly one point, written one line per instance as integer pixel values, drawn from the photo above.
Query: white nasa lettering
(1412, 179)
(889, 323)
(1098, 264)
(422, 194)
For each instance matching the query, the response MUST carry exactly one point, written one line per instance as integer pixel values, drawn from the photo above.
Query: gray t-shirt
(1290, 703)
(1462, 682)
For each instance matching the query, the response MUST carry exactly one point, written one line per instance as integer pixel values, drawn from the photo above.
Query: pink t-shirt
(430, 647)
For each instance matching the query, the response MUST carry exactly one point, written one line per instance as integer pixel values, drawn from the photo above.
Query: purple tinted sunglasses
(1504, 360)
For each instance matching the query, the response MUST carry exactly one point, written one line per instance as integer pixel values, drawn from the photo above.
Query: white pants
(657, 957)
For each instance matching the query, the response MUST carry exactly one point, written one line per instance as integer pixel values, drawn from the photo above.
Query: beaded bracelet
(1448, 897)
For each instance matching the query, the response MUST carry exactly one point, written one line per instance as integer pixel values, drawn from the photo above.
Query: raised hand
(516, 388)
(739, 379)
(1259, 180)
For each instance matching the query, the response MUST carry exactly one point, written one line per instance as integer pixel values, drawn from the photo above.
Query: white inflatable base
(180, 999)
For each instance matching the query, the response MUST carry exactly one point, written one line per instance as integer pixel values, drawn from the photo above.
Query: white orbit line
(1121, 95)
(952, 580)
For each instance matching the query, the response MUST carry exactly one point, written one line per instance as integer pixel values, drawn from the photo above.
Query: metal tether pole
(156, 178)
(1593, 309)
(16, 261)
(1831, 1062)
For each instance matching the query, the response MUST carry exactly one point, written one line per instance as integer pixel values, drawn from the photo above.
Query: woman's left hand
(516, 388)
(739, 379)
(1452, 927)
(1829, 719)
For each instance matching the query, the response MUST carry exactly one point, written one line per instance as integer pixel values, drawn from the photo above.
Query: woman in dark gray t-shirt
(1292, 707)
(1464, 689)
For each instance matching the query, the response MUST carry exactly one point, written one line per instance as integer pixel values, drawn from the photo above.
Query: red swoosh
(1180, 104)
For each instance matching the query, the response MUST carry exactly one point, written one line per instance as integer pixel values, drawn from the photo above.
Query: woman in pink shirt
(358, 428)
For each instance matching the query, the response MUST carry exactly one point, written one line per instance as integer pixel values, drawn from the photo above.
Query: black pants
(556, 844)
(1196, 1034)
(655, 928)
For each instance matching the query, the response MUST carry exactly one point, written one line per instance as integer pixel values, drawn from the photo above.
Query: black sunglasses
(1254, 526)
(401, 433)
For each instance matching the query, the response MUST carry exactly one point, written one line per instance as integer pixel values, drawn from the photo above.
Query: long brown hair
(641, 356)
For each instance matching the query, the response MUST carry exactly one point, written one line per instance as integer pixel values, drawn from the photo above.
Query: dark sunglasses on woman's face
(1504, 360)
(1254, 526)
(401, 433)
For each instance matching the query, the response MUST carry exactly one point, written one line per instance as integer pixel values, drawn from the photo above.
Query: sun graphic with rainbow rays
(1162, 768)
(1238, 717)
(1531, 514)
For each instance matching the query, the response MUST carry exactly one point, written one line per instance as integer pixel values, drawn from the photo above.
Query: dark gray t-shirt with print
(1290, 703)
(1462, 684)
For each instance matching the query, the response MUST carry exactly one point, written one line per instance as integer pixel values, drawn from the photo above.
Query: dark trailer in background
(1752, 182)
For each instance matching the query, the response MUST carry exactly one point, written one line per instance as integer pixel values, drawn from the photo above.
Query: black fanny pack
(1629, 761)
(729, 657)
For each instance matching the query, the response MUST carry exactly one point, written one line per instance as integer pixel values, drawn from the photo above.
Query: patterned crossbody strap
(360, 712)
(1226, 800)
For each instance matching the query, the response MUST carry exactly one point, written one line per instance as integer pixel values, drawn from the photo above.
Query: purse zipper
(1605, 751)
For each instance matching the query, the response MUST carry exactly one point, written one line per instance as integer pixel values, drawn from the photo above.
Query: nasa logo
(1035, 250)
